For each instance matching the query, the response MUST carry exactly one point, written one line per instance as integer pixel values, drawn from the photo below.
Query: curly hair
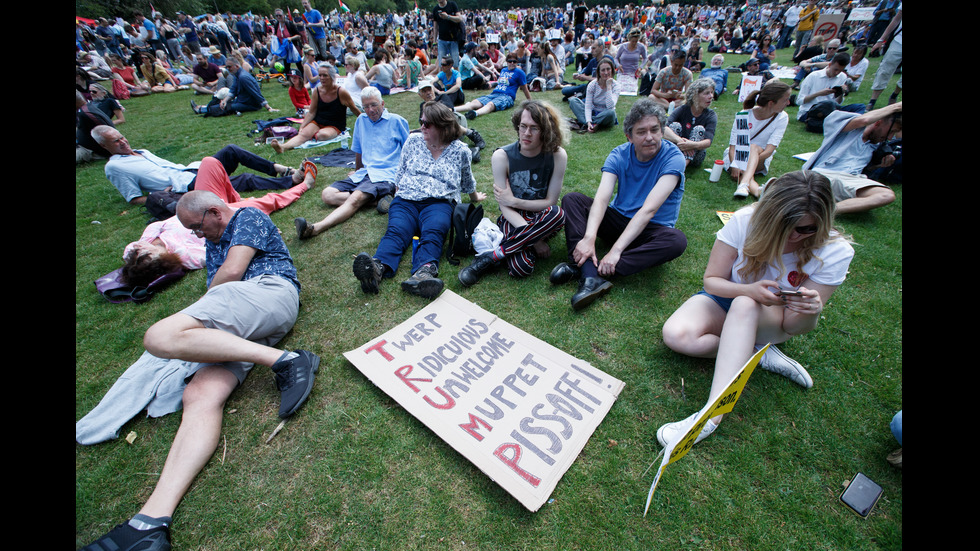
(554, 127)
(139, 270)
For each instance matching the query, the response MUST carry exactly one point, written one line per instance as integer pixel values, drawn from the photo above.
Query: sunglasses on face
(805, 230)
(424, 123)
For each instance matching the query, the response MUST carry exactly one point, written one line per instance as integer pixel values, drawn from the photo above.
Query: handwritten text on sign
(518, 408)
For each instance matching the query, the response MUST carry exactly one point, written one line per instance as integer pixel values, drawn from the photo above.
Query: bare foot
(275, 146)
(542, 250)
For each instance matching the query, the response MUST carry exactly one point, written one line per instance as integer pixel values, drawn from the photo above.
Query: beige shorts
(845, 185)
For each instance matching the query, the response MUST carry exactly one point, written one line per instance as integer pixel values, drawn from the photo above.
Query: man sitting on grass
(635, 209)
(377, 146)
(251, 303)
(135, 171)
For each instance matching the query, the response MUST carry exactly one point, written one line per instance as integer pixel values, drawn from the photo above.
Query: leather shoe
(563, 273)
(590, 289)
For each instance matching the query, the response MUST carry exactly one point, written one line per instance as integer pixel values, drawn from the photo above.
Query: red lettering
(500, 453)
(403, 372)
(472, 429)
(379, 348)
(450, 403)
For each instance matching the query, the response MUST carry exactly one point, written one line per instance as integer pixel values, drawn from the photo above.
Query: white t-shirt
(827, 267)
(857, 70)
(770, 135)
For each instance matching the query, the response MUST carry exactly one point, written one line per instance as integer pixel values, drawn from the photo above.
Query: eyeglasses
(805, 230)
(425, 123)
(529, 129)
(511, 61)
(196, 228)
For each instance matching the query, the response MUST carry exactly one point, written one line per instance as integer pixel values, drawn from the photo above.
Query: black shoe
(126, 538)
(294, 379)
(477, 139)
(474, 155)
(471, 115)
(384, 204)
(424, 282)
(195, 107)
(368, 271)
(590, 289)
(303, 230)
(481, 265)
(563, 273)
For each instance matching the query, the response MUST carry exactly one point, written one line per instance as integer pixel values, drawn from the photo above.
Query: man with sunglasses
(850, 143)
(503, 95)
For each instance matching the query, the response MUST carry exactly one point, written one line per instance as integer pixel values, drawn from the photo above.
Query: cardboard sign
(518, 408)
(742, 137)
(828, 25)
(720, 406)
(750, 83)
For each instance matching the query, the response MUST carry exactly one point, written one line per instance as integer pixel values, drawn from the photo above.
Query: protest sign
(723, 404)
(750, 83)
(518, 408)
(742, 137)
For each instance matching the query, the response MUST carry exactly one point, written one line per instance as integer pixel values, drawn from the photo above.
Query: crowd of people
(770, 273)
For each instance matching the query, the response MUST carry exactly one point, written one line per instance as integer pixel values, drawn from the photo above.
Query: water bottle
(716, 170)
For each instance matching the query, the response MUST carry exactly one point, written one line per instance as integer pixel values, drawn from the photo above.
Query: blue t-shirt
(313, 16)
(509, 81)
(448, 81)
(636, 179)
(253, 228)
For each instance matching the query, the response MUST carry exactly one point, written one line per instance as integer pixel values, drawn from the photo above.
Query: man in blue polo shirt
(377, 145)
(635, 209)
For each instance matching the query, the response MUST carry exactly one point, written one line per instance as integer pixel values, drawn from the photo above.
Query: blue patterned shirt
(253, 228)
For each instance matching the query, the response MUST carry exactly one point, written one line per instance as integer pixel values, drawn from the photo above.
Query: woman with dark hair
(527, 180)
(167, 245)
(761, 125)
(449, 84)
(765, 52)
(382, 73)
(326, 117)
(433, 173)
(771, 271)
(598, 111)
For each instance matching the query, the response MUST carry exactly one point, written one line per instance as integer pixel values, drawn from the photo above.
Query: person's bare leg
(344, 211)
(182, 337)
(195, 441)
(867, 198)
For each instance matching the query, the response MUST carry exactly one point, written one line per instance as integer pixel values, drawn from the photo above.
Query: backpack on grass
(466, 217)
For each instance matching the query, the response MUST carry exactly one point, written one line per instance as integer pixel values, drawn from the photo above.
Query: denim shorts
(725, 303)
(499, 101)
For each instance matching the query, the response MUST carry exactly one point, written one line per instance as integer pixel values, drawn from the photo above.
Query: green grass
(353, 470)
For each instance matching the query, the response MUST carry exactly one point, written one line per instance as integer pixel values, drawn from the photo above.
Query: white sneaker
(673, 431)
(777, 362)
(742, 191)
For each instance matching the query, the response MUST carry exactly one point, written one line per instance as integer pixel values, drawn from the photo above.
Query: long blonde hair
(784, 203)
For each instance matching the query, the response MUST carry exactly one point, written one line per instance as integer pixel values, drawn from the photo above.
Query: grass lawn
(353, 470)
